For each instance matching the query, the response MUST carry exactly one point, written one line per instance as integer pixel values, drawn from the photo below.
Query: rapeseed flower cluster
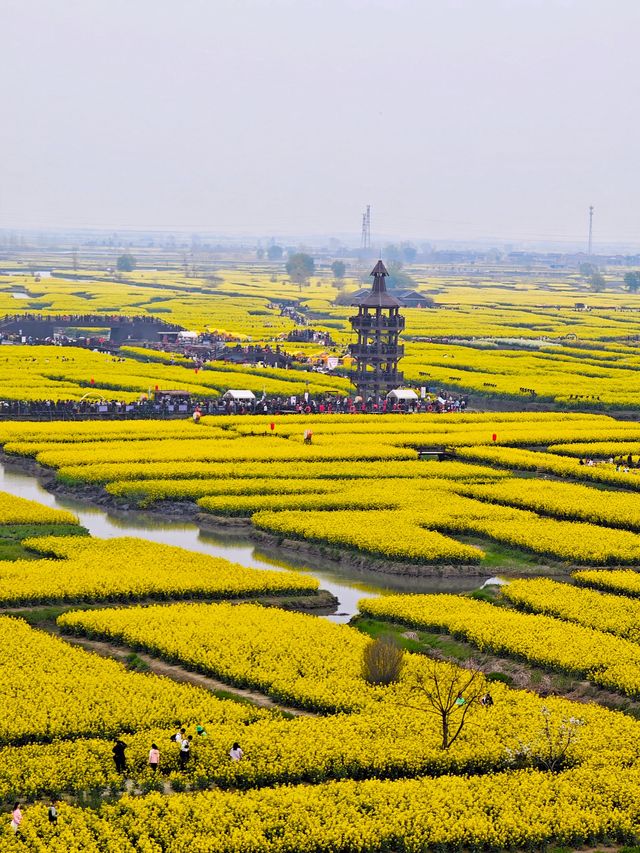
(82, 568)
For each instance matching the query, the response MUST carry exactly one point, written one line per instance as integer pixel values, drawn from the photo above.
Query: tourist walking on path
(52, 813)
(235, 753)
(154, 757)
(119, 756)
(179, 736)
(185, 751)
(16, 818)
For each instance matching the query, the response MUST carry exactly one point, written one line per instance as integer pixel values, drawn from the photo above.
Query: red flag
(494, 437)
(272, 426)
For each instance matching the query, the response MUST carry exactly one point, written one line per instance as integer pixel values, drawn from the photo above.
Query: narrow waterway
(347, 585)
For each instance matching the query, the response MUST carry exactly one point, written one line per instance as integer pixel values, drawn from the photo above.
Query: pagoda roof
(378, 296)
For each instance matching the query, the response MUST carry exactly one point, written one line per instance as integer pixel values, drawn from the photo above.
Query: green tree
(393, 252)
(586, 269)
(274, 253)
(409, 253)
(398, 278)
(597, 282)
(126, 263)
(632, 281)
(338, 268)
(300, 267)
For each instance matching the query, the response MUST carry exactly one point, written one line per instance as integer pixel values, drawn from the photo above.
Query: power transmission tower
(365, 240)
(590, 229)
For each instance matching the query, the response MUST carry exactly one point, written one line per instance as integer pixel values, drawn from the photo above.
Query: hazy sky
(452, 118)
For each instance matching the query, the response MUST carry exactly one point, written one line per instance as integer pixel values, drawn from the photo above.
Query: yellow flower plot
(288, 655)
(128, 569)
(387, 740)
(564, 500)
(304, 659)
(563, 466)
(286, 469)
(614, 614)
(51, 374)
(388, 534)
(522, 809)
(53, 690)
(15, 510)
(265, 448)
(622, 581)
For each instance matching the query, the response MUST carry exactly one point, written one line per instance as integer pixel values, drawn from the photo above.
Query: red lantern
(92, 380)
(494, 437)
(272, 426)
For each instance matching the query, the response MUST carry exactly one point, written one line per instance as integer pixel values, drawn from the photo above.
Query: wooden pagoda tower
(378, 324)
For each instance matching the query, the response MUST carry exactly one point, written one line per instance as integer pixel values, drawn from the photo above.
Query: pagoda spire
(379, 273)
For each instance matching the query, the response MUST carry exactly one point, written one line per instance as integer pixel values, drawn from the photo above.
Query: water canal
(347, 585)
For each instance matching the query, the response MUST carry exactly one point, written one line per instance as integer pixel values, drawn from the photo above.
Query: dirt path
(179, 673)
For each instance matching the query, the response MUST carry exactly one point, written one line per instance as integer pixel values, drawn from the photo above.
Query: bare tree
(449, 692)
(382, 661)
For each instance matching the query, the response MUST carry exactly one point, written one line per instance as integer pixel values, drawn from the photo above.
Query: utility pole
(365, 240)
(590, 230)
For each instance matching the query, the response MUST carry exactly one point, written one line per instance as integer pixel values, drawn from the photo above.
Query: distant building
(413, 298)
(313, 336)
(407, 298)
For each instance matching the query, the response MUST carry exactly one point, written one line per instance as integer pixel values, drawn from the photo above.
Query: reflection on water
(348, 585)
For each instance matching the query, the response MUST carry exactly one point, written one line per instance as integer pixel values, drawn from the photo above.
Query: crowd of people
(85, 319)
(69, 409)
(119, 750)
(181, 739)
(332, 404)
(624, 464)
(266, 405)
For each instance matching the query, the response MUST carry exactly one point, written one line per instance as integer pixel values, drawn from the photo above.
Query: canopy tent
(239, 396)
(402, 394)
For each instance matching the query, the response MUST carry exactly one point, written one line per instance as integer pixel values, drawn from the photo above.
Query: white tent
(239, 396)
(405, 394)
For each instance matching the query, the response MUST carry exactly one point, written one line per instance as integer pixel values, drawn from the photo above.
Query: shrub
(382, 661)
